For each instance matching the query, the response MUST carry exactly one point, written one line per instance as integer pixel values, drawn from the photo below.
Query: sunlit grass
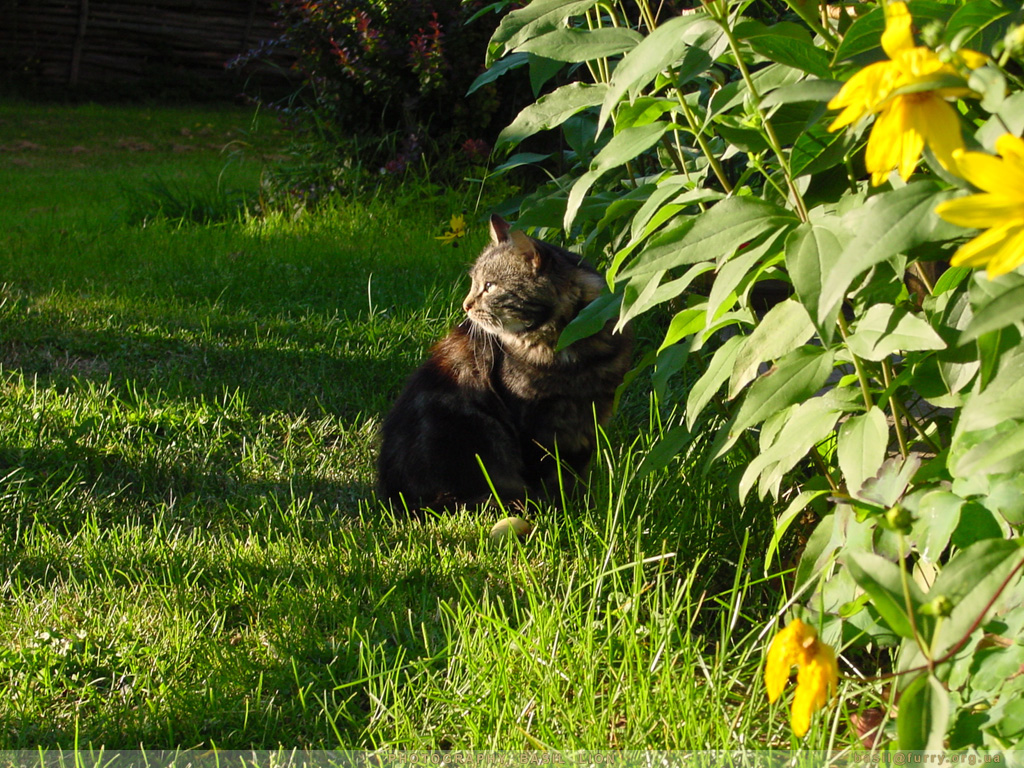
(193, 552)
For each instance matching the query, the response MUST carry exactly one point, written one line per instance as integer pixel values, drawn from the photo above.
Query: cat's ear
(526, 248)
(499, 229)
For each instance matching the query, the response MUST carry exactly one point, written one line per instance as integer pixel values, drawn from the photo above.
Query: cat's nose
(468, 304)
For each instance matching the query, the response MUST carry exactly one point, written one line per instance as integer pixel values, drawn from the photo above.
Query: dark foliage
(394, 66)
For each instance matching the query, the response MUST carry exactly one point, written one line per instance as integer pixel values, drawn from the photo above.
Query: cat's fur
(495, 388)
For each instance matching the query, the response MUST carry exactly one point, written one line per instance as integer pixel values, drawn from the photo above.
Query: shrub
(880, 396)
(387, 80)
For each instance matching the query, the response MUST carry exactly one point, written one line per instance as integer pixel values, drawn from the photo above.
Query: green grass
(192, 552)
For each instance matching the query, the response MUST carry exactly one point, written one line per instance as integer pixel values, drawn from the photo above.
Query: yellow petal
(938, 122)
(990, 173)
(981, 211)
(895, 142)
(1010, 254)
(820, 674)
(815, 683)
(1011, 148)
(920, 62)
(971, 59)
(788, 648)
(1002, 245)
(898, 35)
(864, 93)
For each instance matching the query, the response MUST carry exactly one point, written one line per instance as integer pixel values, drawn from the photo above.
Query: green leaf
(623, 147)
(591, 319)
(885, 330)
(821, 545)
(784, 520)
(646, 291)
(795, 377)
(570, 44)
(643, 111)
(666, 449)
(685, 323)
(723, 228)
(923, 715)
(544, 209)
(507, 64)
(863, 442)
(673, 195)
(886, 225)
(784, 327)
(881, 579)
(812, 251)
(1007, 498)
(817, 91)
(977, 24)
(971, 579)
(806, 424)
(1002, 399)
(716, 374)
(785, 43)
(551, 111)
(977, 523)
(1006, 309)
(950, 279)
(667, 364)
(542, 70)
(738, 271)
(938, 515)
(817, 149)
(535, 19)
(891, 481)
(518, 160)
(765, 81)
(865, 34)
(1000, 453)
(688, 43)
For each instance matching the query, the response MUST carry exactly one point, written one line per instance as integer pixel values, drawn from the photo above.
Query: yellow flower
(998, 209)
(909, 91)
(798, 645)
(456, 229)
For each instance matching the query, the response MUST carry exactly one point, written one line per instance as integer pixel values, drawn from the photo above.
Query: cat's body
(495, 388)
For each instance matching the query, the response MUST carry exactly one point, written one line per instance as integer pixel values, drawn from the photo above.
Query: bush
(385, 82)
(880, 397)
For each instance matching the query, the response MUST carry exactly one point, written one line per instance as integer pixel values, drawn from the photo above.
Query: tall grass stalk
(192, 553)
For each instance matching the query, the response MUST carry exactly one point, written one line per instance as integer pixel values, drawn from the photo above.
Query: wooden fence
(88, 43)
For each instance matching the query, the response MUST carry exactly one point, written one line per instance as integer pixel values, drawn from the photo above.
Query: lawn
(192, 551)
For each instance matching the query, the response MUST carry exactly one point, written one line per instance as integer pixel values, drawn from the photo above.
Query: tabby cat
(494, 392)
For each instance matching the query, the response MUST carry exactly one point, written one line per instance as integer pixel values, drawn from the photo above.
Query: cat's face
(511, 292)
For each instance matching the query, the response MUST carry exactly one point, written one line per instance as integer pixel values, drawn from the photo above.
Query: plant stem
(799, 7)
(913, 422)
(677, 161)
(716, 166)
(901, 438)
(858, 364)
(648, 17)
(769, 130)
(926, 649)
(953, 649)
(823, 470)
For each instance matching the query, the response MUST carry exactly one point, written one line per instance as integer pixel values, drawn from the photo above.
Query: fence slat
(96, 42)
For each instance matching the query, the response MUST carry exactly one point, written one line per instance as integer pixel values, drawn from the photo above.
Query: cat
(495, 392)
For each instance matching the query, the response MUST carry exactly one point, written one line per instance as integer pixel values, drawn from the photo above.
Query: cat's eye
(488, 287)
